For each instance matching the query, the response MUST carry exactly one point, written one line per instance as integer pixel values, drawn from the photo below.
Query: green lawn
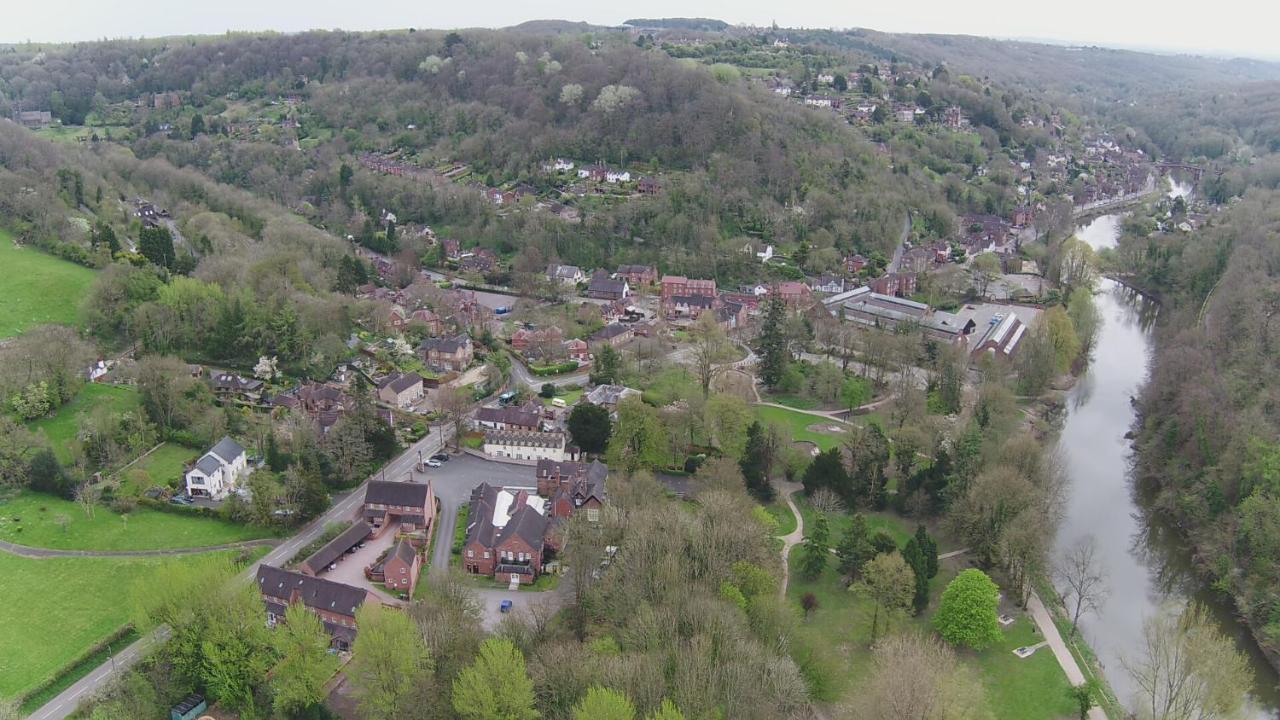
(38, 288)
(796, 401)
(61, 427)
(782, 514)
(31, 519)
(569, 396)
(900, 528)
(162, 467)
(54, 610)
(798, 424)
(838, 634)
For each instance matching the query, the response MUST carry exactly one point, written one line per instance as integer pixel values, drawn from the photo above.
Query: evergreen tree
(590, 427)
(914, 556)
(607, 362)
(814, 554)
(197, 125)
(156, 245)
(756, 461)
(855, 547)
(827, 471)
(929, 548)
(772, 345)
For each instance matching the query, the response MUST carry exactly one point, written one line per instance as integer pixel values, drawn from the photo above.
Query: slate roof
(610, 331)
(227, 449)
(208, 464)
(693, 300)
(525, 522)
(602, 283)
(508, 416)
(390, 492)
(525, 438)
(446, 345)
(333, 549)
(315, 593)
(400, 382)
(404, 551)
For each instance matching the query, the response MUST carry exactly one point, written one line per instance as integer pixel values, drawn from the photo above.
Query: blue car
(505, 606)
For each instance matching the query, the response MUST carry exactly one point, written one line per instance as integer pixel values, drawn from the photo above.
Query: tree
(840, 83)
(455, 405)
(607, 364)
(929, 547)
(918, 677)
(1188, 669)
(1084, 580)
(726, 419)
(156, 245)
(757, 461)
(985, 267)
(1084, 315)
(386, 661)
(772, 342)
(590, 427)
(666, 711)
(1085, 696)
(855, 547)
(1077, 265)
(1062, 333)
(547, 391)
(235, 647)
(604, 704)
(816, 552)
(967, 612)
(496, 686)
(913, 554)
(305, 665)
(639, 439)
(17, 446)
(890, 584)
(710, 347)
(48, 475)
(197, 125)
(827, 471)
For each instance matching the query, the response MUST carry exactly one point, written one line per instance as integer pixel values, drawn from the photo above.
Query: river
(1146, 562)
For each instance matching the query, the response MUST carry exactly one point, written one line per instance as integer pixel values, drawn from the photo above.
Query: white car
(433, 463)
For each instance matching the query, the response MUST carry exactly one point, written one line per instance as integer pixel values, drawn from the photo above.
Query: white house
(216, 472)
(766, 254)
(617, 176)
(562, 164)
(525, 445)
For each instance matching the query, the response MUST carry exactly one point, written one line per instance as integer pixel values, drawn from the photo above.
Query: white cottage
(216, 472)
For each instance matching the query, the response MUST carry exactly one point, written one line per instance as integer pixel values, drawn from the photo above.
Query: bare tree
(1188, 670)
(1084, 580)
(919, 677)
(710, 347)
(87, 498)
(456, 403)
(62, 520)
(826, 500)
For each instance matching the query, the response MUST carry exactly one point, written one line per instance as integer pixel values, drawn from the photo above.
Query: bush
(557, 369)
(967, 614)
(548, 390)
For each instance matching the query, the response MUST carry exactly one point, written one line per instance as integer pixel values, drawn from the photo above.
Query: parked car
(504, 606)
(433, 463)
(442, 457)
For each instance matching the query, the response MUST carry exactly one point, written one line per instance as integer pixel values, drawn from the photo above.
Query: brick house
(401, 389)
(428, 319)
(454, 353)
(678, 285)
(794, 294)
(687, 306)
(411, 504)
(573, 486)
(232, 386)
(615, 334)
(897, 284)
(334, 603)
(638, 274)
(507, 418)
(524, 339)
(401, 567)
(577, 350)
(506, 535)
(603, 287)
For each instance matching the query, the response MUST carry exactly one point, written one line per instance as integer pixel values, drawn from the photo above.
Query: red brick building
(506, 535)
(334, 603)
(411, 504)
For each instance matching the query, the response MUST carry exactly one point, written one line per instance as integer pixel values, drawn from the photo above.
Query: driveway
(453, 483)
(523, 602)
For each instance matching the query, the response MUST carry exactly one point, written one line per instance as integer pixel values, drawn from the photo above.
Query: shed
(189, 709)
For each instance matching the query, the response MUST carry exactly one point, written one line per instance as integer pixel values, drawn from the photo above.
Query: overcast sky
(1220, 27)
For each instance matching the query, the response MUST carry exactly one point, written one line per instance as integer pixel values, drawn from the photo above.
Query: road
(1067, 661)
(521, 375)
(343, 509)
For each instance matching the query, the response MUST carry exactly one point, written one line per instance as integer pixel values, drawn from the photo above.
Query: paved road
(521, 374)
(344, 508)
(898, 252)
(35, 552)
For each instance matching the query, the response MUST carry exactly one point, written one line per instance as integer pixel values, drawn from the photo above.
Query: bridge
(1194, 170)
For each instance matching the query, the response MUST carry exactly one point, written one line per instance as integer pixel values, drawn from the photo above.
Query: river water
(1146, 562)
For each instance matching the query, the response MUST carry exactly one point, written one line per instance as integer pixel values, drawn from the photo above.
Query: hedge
(176, 509)
(545, 370)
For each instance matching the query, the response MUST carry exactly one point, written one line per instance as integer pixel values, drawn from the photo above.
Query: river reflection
(1145, 559)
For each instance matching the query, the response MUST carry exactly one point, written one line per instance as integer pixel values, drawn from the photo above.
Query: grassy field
(568, 395)
(39, 288)
(62, 426)
(899, 528)
(797, 423)
(31, 519)
(73, 133)
(162, 467)
(839, 631)
(53, 610)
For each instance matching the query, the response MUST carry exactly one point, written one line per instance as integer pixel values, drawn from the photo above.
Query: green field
(797, 423)
(54, 610)
(39, 288)
(73, 133)
(61, 428)
(839, 634)
(32, 519)
(162, 467)
(899, 528)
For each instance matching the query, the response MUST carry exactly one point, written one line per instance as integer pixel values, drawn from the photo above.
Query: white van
(558, 402)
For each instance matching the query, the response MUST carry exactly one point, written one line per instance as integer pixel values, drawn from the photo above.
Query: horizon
(1001, 20)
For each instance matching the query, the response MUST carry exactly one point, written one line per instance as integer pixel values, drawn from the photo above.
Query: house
(678, 285)
(508, 418)
(429, 319)
(617, 176)
(524, 339)
(325, 404)
(731, 315)
(648, 186)
(638, 274)
(454, 353)
(321, 559)
(610, 395)
(561, 165)
(35, 118)
(232, 386)
(565, 274)
(899, 284)
(575, 487)
(411, 504)
(854, 264)
(794, 294)
(216, 473)
(598, 173)
(402, 390)
(577, 350)
(615, 334)
(688, 306)
(333, 602)
(506, 534)
(399, 570)
(526, 445)
(1022, 216)
(603, 287)
(766, 254)
(452, 248)
(827, 284)
(482, 261)
(1002, 337)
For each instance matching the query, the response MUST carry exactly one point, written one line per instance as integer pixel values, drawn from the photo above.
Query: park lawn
(53, 610)
(61, 427)
(900, 528)
(794, 401)
(39, 288)
(797, 423)
(30, 519)
(838, 633)
(782, 514)
(568, 395)
(164, 466)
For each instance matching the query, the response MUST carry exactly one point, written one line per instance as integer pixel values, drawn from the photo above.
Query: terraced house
(334, 603)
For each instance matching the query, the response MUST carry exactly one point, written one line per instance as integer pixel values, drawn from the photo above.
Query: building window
(593, 514)
(486, 554)
(471, 553)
